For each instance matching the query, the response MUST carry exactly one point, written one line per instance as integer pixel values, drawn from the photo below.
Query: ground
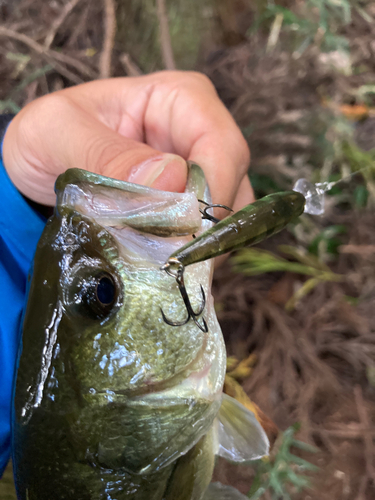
(303, 97)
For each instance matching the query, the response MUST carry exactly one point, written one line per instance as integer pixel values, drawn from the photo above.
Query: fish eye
(98, 294)
(105, 290)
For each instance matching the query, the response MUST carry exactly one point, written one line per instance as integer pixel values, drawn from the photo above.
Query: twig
(52, 56)
(345, 434)
(80, 24)
(275, 32)
(31, 92)
(109, 39)
(165, 36)
(363, 250)
(58, 22)
(130, 67)
(326, 441)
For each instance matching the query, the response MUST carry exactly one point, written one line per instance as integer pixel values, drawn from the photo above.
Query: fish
(112, 399)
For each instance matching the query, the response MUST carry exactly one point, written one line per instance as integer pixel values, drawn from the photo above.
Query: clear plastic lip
(314, 195)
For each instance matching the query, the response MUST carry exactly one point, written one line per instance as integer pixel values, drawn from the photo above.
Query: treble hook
(209, 216)
(179, 277)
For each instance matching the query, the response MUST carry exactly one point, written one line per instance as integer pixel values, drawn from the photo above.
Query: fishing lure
(246, 227)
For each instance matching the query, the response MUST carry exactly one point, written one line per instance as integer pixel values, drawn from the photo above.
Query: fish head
(113, 289)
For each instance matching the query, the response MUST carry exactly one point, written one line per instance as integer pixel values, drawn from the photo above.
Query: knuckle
(202, 79)
(189, 79)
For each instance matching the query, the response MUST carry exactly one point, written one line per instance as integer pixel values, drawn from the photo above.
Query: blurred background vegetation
(299, 78)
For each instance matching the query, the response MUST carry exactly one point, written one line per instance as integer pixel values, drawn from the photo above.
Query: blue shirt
(20, 230)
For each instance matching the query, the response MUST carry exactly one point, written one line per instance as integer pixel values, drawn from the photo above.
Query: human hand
(123, 128)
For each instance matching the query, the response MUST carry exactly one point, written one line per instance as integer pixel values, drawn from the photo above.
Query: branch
(58, 22)
(165, 36)
(52, 56)
(109, 39)
(130, 67)
(362, 250)
(351, 433)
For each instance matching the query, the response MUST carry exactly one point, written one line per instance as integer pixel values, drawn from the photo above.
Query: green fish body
(111, 402)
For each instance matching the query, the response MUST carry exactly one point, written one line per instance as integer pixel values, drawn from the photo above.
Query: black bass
(111, 401)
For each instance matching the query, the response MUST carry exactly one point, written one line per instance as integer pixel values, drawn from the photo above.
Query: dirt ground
(314, 364)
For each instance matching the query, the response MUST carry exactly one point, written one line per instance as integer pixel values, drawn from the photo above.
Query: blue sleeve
(20, 230)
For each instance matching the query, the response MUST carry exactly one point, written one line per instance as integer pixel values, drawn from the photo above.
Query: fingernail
(148, 171)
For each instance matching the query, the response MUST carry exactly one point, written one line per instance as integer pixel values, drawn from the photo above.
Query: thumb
(35, 154)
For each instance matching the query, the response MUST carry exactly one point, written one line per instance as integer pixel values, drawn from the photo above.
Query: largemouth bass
(112, 402)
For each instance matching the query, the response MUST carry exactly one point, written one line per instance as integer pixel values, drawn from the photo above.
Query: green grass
(255, 261)
(314, 22)
(281, 473)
